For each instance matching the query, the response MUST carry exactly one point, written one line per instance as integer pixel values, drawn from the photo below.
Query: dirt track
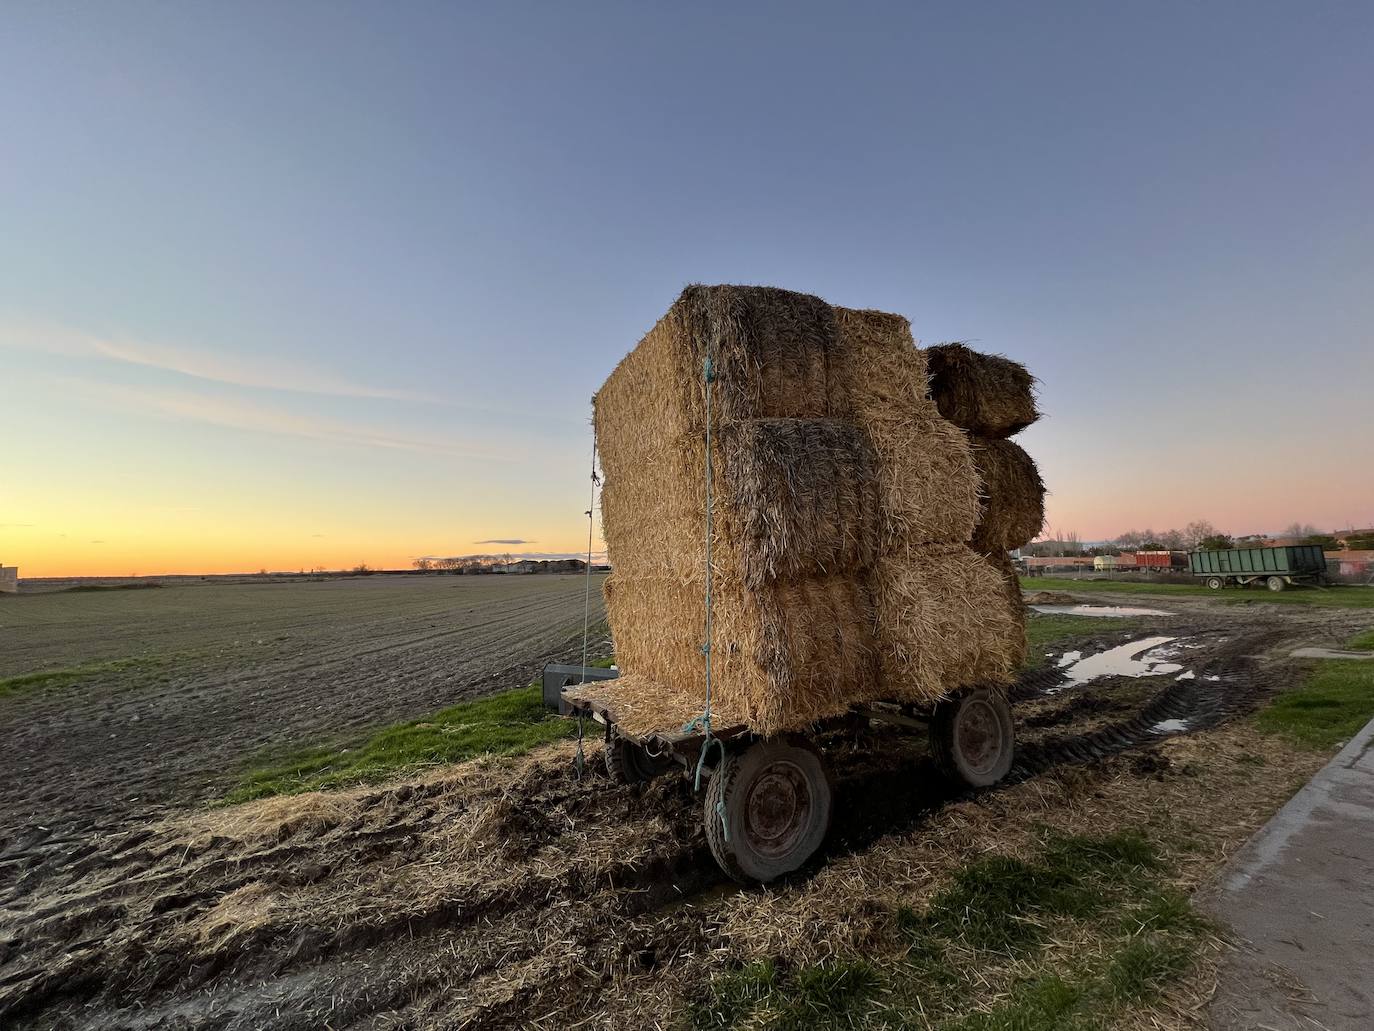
(221, 672)
(512, 895)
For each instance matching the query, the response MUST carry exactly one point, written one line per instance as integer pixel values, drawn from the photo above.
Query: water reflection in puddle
(1170, 726)
(1146, 657)
(1107, 611)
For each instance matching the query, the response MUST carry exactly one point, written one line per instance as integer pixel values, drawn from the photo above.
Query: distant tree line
(1197, 535)
(474, 565)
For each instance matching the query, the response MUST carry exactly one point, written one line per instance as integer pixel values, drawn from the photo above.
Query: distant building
(9, 579)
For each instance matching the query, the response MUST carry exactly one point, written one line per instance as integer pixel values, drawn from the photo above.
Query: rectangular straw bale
(1013, 496)
(926, 479)
(785, 654)
(1016, 602)
(771, 350)
(945, 623)
(986, 394)
(652, 499)
(802, 498)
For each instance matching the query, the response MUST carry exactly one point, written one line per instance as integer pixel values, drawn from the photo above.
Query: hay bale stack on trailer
(841, 572)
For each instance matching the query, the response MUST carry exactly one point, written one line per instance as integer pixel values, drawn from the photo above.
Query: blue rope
(703, 722)
(580, 760)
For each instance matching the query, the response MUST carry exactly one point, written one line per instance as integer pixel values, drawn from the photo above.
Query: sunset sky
(297, 285)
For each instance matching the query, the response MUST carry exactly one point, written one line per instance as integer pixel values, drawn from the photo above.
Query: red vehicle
(1161, 559)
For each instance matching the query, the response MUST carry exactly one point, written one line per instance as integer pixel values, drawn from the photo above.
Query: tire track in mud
(493, 898)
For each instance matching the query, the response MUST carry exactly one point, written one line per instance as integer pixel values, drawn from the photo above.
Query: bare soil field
(509, 893)
(161, 695)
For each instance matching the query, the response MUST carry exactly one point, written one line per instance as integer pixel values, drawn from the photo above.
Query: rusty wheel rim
(980, 736)
(777, 810)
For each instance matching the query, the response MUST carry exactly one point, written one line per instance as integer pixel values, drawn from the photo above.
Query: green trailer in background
(1277, 567)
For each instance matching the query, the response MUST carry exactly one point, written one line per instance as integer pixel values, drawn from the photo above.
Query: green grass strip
(509, 723)
(1362, 642)
(55, 679)
(1001, 907)
(1329, 597)
(1336, 701)
(1044, 629)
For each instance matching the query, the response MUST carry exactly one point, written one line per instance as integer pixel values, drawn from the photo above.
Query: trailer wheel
(1275, 583)
(972, 737)
(1216, 583)
(631, 763)
(767, 810)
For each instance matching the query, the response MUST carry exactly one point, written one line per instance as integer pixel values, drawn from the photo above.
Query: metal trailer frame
(767, 800)
(1277, 568)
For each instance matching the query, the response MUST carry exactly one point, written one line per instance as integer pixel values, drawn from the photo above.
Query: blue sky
(296, 282)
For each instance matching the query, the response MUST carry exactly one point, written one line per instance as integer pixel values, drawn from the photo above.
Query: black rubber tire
(1275, 583)
(1216, 583)
(980, 712)
(630, 763)
(742, 828)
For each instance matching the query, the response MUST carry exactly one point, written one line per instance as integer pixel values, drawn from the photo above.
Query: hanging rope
(580, 760)
(703, 722)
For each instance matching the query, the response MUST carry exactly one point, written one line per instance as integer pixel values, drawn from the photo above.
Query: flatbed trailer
(1276, 568)
(767, 801)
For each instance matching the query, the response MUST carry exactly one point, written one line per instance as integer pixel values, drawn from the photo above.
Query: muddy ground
(188, 682)
(510, 894)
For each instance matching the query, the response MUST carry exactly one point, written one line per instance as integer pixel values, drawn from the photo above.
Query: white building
(9, 579)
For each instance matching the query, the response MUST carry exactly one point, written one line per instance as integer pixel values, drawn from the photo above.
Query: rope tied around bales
(703, 722)
(580, 760)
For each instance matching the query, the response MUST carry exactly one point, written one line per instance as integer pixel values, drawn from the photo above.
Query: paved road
(1301, 895)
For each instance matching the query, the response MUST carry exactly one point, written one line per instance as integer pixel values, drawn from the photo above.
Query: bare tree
(1135, 538)
(1300, 530)
(1173, 540)
(1197, 531)
(423, 564)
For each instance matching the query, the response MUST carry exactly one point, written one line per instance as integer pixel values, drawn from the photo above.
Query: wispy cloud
(512, 540)
(261, 371)
(217, 411)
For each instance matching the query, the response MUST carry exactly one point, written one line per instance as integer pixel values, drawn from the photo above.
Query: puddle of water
(1107, 611)
(1140, 658)
(1170, 726)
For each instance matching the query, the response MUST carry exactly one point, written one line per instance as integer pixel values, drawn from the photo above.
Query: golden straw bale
(926, 479)
(944, 621)
(1016, 602)
(1014, 496)
(784, 655)
(801, 497)
(771, 351)
(986, 394)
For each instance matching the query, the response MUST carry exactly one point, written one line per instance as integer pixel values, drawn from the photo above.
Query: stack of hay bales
(844, 504)
(993, 398)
